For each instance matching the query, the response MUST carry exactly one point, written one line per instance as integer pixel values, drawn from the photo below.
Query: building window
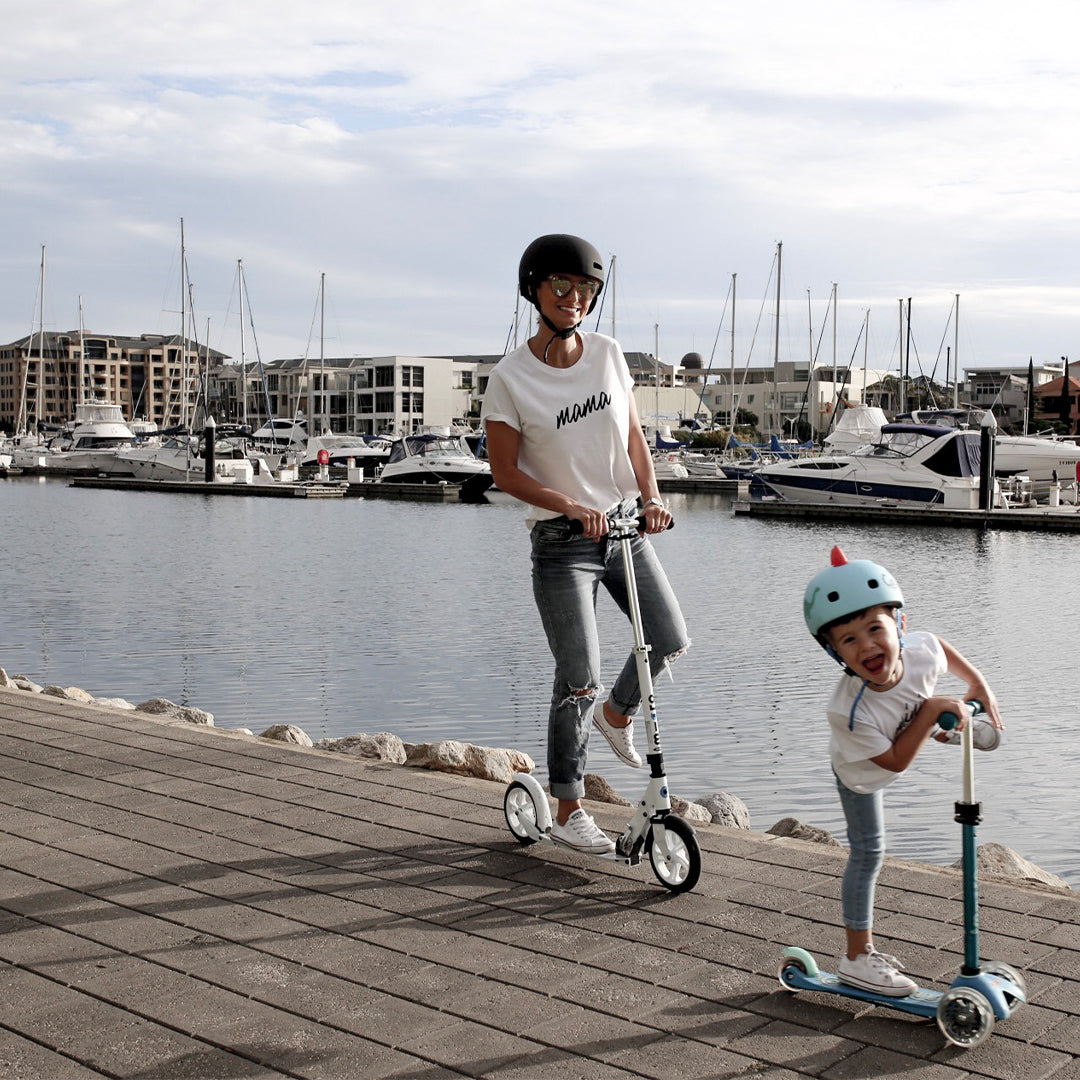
(417, 376)
(365, 403)
(384, 401)
(384, 376)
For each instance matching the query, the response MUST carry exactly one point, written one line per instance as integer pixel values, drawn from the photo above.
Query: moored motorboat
(431, 458)
(345, 451)
(923, 464)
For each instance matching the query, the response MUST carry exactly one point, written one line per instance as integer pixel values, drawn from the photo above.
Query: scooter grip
(948, 720)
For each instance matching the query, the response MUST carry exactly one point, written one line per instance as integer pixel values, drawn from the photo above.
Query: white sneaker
(876, 972)
(984, 735)
(581, 833)
(620, 739)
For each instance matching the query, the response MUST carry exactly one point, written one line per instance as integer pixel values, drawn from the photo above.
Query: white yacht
(277, 436)
(91, 446)
(914, 463)
(340, 450)
(431, 458)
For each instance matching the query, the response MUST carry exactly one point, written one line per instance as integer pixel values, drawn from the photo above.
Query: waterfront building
(1005, 390)
(45, 375)
(357, 395)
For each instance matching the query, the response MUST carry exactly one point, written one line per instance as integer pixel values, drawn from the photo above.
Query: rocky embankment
(497, 764)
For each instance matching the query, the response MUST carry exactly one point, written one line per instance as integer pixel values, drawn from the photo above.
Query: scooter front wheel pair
(672, 845)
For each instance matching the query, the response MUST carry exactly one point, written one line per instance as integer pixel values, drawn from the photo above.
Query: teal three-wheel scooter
(670, 840)
(982, 992)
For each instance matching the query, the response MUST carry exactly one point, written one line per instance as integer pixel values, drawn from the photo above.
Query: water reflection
(369, 616)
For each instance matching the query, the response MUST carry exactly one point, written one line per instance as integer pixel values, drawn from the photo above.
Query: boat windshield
(900, 442)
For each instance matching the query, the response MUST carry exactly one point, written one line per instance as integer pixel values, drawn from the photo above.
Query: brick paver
(181, 902)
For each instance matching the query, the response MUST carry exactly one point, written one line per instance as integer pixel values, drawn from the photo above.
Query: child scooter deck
(965, 1012)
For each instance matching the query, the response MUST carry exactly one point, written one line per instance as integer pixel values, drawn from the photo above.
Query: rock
(113, 703)
(288, 733)
(794, 828)
(69, 693)
(1000, 861)
(24, 683)
(5, 682)
(690, 811)
(382, 746)
(163, 707)
(599, 790)
(725, 809)
(484, 762)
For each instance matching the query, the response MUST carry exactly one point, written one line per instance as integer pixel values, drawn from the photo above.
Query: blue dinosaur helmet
(844, 589)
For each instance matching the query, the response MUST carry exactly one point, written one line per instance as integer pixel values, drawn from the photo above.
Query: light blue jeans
(567, 571)
(865, 816)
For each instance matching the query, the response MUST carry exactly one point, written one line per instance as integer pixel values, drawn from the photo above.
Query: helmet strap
(564, 334)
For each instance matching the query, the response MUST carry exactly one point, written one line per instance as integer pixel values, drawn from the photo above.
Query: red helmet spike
(838, 557)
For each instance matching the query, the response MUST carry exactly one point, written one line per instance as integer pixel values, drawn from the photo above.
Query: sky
(922, 151)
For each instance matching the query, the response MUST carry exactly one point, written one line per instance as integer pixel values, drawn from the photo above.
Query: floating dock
(299, 490)
(1035, 519)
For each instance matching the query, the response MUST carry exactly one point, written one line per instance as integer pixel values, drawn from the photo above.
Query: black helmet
(558, 253)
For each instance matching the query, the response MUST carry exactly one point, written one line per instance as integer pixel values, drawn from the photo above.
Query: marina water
(367, 615)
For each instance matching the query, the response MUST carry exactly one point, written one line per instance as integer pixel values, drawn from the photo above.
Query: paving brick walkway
(178, 902)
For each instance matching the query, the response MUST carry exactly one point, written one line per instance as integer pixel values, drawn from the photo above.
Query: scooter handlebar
(948, 720)
(577, 528)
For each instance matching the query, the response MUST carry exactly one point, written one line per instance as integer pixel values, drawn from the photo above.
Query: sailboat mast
(731, 420)
(956, 356)
(776, 335)
(39, 399)
(611, 292)
(81, 395)
(322, 355)
(183, 331)
(243, 348)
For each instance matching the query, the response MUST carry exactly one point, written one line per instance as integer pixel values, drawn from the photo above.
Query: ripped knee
(582, 697)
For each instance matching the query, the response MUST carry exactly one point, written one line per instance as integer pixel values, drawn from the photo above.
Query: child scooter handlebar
(577, 528)
(948, 720)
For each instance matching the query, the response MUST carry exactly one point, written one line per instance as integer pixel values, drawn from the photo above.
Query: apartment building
(152, 377)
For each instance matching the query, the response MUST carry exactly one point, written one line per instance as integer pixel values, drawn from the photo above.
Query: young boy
(881, 714)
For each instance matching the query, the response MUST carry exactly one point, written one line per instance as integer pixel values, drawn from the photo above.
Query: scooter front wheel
(521, 814)
(674, 854)
(965, 1016)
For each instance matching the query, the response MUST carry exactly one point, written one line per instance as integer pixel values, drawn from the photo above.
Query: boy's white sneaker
(582, 834)
(876, 972)
(984, 735)
(620, 739)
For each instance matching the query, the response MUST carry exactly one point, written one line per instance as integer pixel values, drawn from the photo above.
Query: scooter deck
(922, 1001)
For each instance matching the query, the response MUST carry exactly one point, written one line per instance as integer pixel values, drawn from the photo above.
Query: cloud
(410, 151)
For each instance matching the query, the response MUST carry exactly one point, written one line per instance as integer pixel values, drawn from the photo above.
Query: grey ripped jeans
(567, 570)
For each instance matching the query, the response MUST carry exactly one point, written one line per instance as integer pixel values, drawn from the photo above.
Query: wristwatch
(654, 500)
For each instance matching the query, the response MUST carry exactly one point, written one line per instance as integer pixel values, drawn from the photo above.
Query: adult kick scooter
(670, 841)
(981, 993)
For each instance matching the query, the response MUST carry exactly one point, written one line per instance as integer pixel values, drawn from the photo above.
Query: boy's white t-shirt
(880, 714)
(574, 422)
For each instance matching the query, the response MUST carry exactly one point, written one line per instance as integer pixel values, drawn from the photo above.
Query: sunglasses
(561, 287)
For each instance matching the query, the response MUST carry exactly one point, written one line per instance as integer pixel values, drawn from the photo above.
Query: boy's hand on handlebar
(979, 691)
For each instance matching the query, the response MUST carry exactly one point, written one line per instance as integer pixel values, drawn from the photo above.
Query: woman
(563, 436)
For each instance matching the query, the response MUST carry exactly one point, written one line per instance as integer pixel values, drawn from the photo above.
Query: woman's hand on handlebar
(657, 518)
(594, 523)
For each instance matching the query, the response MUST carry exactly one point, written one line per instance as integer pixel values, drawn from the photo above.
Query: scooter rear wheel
(520, 812)
(965, 1016)
(676, 860)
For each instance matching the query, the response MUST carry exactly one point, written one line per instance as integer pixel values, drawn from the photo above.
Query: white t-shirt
(880, 714)
(574, 422)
